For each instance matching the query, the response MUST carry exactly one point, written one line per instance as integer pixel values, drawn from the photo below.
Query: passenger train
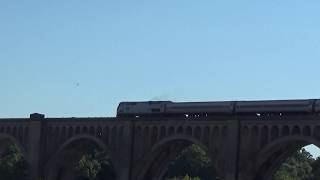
(197, 109)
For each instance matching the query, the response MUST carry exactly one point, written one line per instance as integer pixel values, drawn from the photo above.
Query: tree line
(190, 164)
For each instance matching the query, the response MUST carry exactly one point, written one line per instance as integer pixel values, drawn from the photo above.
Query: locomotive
(199, 109)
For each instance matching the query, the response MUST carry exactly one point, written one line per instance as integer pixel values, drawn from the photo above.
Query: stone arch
(99, 132)
(56, 136)
(224, 131)
(306, 131)
(7, 140)
(63, 134)
(245, 131)
(254, 137)
(92, 131)
(316, 132)
(138, 131)
(254, 131)
(146, 137)
(105, 134)
(146, 131)
(77, 130)
(20, 133)
(162, 132)
(26, 133)
(264, 136)
(180, 130)
(189, 131)
(197, 132)
(70, 131)
(84, 136)
(13, 140)
(206, 134)
(274, 132)
(50, 138)
(171, 131)
(308, 140)
(269, 159)
(8, 129)
(216, 131)
(84, 130)
(139, 145)
(159, 149)
(14, 131)
(285, 131)
(52, 165)
(56, 131)
(296, 130)
(121, 132)
(154, 135)
(114, 136)
(179, 137)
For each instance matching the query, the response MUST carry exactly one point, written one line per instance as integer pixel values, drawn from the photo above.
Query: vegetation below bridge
(191, 164)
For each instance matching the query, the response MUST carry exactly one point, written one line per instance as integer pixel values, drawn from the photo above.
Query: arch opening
(178, 158)
(297, 158)
(81, 159)
(13, 164)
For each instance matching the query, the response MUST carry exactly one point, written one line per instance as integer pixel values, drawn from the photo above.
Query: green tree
(95, 166)
(12, 164)
(316, 169)
(296, 167)
(88, 168)
(194, 162)
(187, 177)
(107, 170)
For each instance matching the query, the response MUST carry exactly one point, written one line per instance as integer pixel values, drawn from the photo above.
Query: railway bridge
(242, 146)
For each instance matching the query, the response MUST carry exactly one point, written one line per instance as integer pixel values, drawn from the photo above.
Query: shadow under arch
(270, 158)
(6, 140)
(52, 166)
(155, 163)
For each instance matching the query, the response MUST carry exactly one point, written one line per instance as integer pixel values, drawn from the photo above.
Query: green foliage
(316, 169)
(297, 167)
(187, 177)
(192, 162)
(12, 164)
(95, 166)
(88, 167)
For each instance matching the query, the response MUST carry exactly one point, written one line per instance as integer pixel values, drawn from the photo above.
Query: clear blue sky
(81, 57)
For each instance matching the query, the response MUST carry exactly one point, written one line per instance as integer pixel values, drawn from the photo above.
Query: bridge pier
(232, 150)
(33, 150)
(123, 174)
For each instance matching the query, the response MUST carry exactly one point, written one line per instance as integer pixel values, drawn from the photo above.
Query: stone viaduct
(242, 147)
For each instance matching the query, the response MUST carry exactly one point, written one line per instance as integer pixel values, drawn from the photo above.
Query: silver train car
(169, 108)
